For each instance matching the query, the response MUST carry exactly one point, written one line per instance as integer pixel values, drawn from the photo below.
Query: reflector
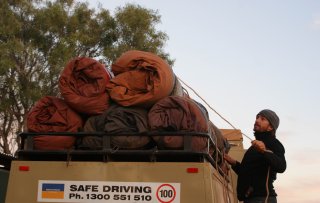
(192, 170)
(23, 168)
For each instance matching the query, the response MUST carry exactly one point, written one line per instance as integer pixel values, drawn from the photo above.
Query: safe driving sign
(106, 191)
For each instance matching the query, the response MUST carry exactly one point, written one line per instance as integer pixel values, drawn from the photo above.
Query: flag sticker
(52, 191)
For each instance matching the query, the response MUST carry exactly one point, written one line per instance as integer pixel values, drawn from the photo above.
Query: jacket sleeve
(275, 157)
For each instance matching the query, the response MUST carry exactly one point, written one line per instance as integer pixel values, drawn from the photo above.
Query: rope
(232, 181)
(213, 108)
(228, 199)
(217, 152)
(267, 186)
(225, 189)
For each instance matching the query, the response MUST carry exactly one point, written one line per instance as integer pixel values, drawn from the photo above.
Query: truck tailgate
(56, 181)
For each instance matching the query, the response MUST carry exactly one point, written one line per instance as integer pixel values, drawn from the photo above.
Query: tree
(37, 38)
(135, 29)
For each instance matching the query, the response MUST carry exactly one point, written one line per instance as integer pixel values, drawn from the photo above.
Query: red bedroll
(176, 113)
(141, 78)
(83, 85)
(51, 114)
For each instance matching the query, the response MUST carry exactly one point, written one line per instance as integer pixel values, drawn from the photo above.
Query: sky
(245, 56)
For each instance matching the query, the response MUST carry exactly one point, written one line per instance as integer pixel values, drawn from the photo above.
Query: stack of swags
(140, 94)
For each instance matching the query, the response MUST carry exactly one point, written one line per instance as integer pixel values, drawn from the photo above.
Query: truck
(120, 175)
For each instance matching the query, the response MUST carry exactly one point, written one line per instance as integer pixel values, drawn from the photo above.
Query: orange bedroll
(82, 84)
(141, 78)
(51, 114)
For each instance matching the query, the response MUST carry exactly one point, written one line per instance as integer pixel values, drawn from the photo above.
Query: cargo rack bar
(110, 153)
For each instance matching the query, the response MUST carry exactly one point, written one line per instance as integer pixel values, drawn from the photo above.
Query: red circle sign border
(174, 193)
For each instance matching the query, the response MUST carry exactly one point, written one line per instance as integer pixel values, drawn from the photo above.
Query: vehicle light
(192, 170)
(24, 168)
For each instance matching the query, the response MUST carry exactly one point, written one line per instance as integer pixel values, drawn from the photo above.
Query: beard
(256, 127)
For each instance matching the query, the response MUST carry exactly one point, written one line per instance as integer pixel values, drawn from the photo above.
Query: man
(261, 163)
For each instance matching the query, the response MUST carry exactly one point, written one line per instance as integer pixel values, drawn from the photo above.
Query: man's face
(262, 124)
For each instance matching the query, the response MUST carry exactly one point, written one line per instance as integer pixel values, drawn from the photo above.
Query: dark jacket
(253, 170)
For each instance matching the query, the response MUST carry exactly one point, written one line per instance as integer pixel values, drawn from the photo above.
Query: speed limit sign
(166, 193)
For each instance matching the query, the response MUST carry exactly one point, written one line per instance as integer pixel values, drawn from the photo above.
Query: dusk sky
(245, 56)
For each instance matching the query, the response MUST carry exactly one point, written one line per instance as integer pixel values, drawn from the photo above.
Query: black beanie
(272, 117)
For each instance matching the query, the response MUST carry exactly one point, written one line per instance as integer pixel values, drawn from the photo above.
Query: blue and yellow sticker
(52, 191)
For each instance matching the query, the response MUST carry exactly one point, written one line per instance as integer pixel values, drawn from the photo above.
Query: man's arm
(275, 156)
(234, 163)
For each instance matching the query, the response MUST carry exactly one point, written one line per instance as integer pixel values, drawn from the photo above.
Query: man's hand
(230, 160)
(259, 146)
